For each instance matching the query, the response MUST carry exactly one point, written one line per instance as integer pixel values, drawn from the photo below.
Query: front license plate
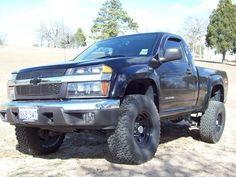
(28, 113)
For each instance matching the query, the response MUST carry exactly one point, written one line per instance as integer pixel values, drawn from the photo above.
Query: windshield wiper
(111, 56)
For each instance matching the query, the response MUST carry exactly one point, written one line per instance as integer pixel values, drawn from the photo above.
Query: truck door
(176, 88)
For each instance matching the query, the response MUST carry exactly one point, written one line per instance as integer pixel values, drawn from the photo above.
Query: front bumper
(73, 114)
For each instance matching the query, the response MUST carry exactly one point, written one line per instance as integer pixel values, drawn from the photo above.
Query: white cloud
(201, 7)
(21, 26)
(156, 21)
(206, 6)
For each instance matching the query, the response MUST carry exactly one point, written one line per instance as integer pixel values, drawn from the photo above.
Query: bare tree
(3, 37)
(43, 33)
(53, 34)
(194, 30)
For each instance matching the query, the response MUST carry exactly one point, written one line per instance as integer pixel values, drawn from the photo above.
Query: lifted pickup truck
(123, 86)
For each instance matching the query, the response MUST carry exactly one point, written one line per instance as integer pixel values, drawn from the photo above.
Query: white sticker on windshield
(143, 52)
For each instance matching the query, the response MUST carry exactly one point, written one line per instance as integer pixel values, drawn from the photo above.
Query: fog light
(89, 118)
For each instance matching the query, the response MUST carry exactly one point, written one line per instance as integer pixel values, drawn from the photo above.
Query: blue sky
(20, 19)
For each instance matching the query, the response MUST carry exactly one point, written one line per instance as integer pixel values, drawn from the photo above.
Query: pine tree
(79, 39)
(234, 37)
(221, 31)
(112, 20)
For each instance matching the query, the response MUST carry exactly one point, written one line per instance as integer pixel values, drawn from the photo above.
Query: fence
(209, 55)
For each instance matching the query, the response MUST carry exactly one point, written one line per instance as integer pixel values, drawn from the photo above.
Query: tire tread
(28, 142)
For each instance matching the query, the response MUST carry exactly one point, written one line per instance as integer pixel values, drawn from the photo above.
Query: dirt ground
(180, 153)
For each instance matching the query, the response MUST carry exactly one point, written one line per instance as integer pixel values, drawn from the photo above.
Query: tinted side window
(175, 43)
(172, 44)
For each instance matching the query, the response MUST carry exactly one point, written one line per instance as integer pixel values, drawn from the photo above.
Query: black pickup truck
(124, 87)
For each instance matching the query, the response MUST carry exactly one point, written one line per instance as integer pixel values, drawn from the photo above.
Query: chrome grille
(38, 90)
(41, 74)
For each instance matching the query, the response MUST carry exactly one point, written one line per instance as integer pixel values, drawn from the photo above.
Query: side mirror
(172, 54)
(154, 63)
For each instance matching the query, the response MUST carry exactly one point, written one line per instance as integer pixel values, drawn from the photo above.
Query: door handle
(188, 72)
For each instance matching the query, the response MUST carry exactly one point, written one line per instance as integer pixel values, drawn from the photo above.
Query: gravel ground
(180, 153)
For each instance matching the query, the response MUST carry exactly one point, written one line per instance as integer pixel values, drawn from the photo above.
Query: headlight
(11, 79)
(11, 93)
(91, 70)
(11, 90)
(12, 76)
(87, 89)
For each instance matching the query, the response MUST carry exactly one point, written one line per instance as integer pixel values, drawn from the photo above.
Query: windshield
(126, 46)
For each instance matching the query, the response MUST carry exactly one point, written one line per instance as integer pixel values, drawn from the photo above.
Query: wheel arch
(215, 89)
(141, 86)
(215, 83)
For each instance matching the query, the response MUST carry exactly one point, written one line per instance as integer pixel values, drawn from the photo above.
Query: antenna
(64, 39)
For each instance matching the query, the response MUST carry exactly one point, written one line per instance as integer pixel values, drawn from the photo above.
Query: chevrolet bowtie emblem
(35, 81)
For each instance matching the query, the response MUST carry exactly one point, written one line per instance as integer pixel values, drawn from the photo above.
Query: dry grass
(180, 153)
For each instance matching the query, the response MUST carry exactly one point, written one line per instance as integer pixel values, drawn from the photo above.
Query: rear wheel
(137, 135)
(36, 141)
(212, 122)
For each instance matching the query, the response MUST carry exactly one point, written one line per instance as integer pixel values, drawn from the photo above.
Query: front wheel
(36, 141)
(212, 122)
(137, 135)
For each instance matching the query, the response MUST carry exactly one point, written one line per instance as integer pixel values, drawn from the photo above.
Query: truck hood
(115, 63)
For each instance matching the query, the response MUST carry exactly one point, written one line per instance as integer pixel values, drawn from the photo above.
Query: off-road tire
(29, 141)
(212, 122)
(122, 142)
